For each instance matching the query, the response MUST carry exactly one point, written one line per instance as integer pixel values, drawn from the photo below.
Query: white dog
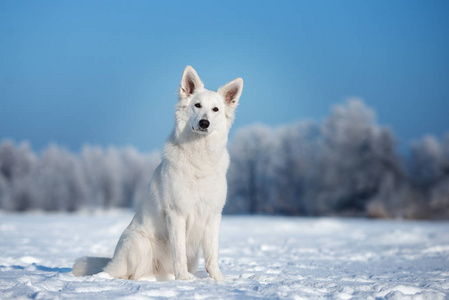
(182, 210)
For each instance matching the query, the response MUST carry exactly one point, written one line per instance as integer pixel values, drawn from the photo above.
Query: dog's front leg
(210, 247)
(177, 234)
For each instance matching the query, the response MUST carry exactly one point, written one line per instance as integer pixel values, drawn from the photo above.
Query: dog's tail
(89, 265)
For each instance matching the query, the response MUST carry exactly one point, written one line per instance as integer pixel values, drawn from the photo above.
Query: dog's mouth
(200, 130)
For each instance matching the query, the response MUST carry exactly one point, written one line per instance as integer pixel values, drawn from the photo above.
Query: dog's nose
(204, 124)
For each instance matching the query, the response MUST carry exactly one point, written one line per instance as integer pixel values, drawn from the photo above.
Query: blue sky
(107, 72)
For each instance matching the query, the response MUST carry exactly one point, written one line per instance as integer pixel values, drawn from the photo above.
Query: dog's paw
(185, 276)
(217, 275)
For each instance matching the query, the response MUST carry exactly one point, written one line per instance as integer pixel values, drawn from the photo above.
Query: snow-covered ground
(261, 257)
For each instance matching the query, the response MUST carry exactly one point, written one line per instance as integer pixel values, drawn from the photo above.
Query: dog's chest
(197, 172)
(202, 163)
(204, 189)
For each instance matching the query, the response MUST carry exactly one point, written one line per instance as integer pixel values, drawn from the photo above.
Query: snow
(261, 257)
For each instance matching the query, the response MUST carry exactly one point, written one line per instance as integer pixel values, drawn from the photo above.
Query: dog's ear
(231, 92)
(190, 83)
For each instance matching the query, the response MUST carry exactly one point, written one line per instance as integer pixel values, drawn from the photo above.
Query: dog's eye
(215, 109)
(197, 105)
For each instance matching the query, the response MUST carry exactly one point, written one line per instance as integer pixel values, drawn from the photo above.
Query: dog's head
(204, 111)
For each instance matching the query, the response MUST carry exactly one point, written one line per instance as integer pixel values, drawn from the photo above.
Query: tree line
(346, 165)
(58, 180)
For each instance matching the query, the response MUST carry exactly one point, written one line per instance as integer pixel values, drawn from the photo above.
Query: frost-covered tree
(427, 164)
(102, 174)
(3, 192)
(357, 154)
(7, 160)
(295, 162)
(59, 180)
(251, 170)
(16, 167)
(429, 173)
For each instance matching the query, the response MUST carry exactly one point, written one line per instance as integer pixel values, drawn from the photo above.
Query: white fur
(182, 210)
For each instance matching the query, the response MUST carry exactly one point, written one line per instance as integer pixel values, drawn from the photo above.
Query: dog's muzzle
(202, 126)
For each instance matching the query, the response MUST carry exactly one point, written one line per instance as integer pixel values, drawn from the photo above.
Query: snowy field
(261, 258)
